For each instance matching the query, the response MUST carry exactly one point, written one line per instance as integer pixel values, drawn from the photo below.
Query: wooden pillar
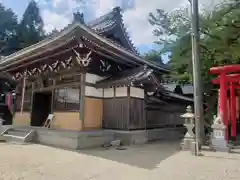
(82, 98)
(23, 93)
(32, 97)
(129, 106)
(115, 105)
(233, 111)
(53, 96)
(223, 102)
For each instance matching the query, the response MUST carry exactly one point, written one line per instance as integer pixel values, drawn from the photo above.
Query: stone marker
(218, 142)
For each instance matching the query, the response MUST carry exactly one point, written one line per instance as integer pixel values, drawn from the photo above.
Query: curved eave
(180, 97)
(67, 31)
(25, 52)
(5, 77)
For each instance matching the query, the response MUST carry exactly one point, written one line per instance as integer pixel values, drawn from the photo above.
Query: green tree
(219, 29)
(219, 42)
(153, 55)
(173, 33)
(30, 30)
(8, 26)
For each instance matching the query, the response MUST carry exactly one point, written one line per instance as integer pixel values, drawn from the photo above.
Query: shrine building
(90, 78)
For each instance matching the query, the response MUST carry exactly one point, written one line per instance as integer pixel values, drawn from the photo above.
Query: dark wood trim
(40, 59)
(66, 72)
(73, 84)
(129, 105)
(65, 111)
(53, 96)
(32, 96)
(93, 97)
(136, 98)
(23, 92)
(82, 98)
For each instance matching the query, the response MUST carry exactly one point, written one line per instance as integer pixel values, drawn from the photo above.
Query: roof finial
(117, 9)
(78, 17)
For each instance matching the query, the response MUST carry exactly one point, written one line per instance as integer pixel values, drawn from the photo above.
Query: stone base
(144, 136)
(80, 140)
(187, 144)
(220, 145)
(68, 139)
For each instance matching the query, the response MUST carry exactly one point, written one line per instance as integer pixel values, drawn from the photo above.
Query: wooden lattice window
(67, 99)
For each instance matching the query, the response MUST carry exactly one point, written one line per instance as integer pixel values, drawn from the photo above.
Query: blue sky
(56, 8)
(58, 13)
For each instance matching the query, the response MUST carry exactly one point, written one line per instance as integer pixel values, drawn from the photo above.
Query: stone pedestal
(1, 125)
(188, 138)
(218, 142)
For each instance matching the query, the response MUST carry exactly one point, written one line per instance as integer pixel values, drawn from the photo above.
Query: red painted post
(233, 111)
(223, 101)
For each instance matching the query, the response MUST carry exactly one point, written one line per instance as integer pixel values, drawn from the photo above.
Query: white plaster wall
(93, 78)
(91, 91)
(137, 92)
(121, 91)
(108, 93)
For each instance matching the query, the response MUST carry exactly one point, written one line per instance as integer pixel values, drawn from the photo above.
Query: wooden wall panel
(165, 116)
(137, 114)
(116, 113)
(66, 120)
(23, 119)
(93, 111)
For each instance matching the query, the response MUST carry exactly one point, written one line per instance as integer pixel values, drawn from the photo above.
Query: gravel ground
(146, 162)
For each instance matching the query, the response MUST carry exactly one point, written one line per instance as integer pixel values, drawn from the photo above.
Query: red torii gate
(228, 81)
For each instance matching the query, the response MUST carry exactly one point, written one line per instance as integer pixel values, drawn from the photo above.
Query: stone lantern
(189, 138)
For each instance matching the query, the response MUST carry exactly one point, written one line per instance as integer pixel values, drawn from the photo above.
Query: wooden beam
(58, 45)
(82, 99)
(129, 106)
(53, 96)
(32, 95)
(41, 59)
(23, 93)
(111, 51)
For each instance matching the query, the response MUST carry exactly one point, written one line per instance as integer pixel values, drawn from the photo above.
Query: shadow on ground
(146, 156)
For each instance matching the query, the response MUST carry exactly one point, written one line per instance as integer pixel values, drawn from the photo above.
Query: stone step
(9, 137)
(17, 133)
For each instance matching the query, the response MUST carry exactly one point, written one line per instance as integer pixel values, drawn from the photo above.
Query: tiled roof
(103, 21)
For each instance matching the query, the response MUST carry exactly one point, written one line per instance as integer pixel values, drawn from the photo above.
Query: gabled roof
(113, 22)
(72, 30)
(129, 77)
(138, 76)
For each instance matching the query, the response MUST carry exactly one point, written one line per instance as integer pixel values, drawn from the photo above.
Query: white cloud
(135, 19)
(53, 20)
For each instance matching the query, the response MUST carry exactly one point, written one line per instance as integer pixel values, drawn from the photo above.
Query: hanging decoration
(105, 66)
(83, 60)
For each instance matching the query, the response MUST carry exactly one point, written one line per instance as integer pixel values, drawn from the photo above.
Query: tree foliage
(219, 42)
(219, 38)
(8, 26)
(15, 36)
(30, 30)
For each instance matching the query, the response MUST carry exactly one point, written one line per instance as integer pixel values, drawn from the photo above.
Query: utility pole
(197, 83)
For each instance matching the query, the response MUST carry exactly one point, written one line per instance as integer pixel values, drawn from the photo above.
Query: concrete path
(146, 162)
